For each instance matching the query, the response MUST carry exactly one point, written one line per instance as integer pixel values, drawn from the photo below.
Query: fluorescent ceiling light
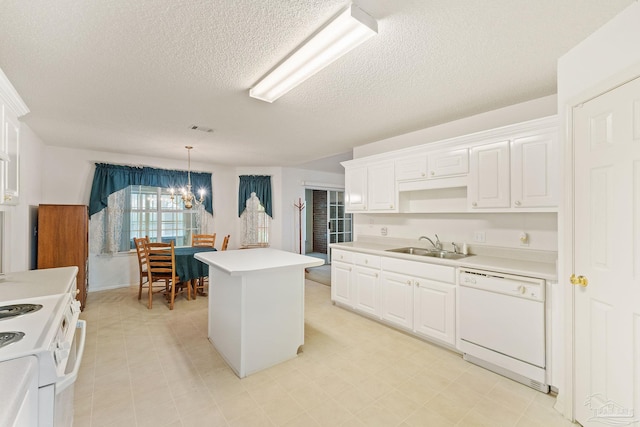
(347, 31)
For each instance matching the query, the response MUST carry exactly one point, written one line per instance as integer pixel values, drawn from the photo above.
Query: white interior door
(607, 253)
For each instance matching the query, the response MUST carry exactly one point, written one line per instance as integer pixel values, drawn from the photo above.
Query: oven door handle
(70, 378)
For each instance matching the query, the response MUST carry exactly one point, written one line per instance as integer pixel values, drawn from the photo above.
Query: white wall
(609, 54)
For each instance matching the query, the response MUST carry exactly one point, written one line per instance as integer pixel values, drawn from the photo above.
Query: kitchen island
(256, 306)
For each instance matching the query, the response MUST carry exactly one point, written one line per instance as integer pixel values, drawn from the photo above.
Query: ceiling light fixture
(188, 198)
(348, 30)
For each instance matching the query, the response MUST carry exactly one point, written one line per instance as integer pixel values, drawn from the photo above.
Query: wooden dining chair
(207, 241)
(161, 267)
(139, 243)
(204, 240)
(225, 242)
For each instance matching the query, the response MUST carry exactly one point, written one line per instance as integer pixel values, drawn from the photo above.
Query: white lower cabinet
(367, 290)
(420, 297)
(366, 283)
(397, 299)
(341, 274)
(355, 281)
(417, 297)
(434, 306)
(424, 306)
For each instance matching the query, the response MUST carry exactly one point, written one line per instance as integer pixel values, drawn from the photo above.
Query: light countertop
(36, 283)
(537, 264)
(242, 261)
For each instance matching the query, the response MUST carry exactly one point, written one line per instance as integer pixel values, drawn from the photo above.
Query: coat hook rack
(300, 205)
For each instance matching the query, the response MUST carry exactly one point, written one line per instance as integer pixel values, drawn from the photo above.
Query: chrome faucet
(456, 250)
(437, 245)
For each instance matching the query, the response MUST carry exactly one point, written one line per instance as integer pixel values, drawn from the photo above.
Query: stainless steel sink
(434, 253)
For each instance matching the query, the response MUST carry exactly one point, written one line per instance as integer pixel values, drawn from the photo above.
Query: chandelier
(188, 198)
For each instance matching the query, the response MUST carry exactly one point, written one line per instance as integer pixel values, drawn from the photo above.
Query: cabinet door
(534, 171)
(414, 167)
(11, 148)
(355, 186)
(434, 310)
(489, 176)
(382, 188)
(397, 299)
(367, 290)
(341, 287)
(448, 163)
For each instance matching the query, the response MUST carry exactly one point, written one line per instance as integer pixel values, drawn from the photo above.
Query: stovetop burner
(9, 311)
(7, 338)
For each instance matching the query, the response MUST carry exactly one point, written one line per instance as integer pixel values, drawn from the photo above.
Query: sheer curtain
(109, 228)
(254, 223)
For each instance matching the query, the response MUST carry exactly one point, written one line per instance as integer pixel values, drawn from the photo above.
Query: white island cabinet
(256, 306)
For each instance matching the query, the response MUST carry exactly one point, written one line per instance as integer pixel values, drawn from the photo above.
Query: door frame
(566, 403)
(320, 186)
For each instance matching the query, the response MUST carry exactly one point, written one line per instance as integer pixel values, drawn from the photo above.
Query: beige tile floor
(156, 368)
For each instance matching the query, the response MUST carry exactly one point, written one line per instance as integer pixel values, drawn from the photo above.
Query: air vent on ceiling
(201, 128)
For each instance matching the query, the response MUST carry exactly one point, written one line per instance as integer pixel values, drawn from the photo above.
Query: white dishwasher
(502, 324)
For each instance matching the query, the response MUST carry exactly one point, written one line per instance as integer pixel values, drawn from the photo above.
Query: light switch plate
(480, 237)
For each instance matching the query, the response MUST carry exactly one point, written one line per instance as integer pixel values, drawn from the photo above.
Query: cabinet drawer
(343, 256)
(367, 260)
(440, 273)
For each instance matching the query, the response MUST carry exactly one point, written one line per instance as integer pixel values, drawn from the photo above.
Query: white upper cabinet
(381, 184)
(533, 171)
(371, 188)
(489, 176)
(509, 169)
(414, 167)
(436, 164)
(448, 163)
(11, 108)
(355, 185)
(11, 166)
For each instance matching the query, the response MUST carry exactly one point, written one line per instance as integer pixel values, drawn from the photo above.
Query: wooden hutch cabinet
(63, 233)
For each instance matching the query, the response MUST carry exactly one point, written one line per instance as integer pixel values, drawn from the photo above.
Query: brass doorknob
(579, 280)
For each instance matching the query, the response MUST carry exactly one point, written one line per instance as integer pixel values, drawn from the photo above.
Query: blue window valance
(111, 178)
(259, 184)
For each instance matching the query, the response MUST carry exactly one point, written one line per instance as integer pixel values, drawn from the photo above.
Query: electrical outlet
(383, 231)
(479, 236)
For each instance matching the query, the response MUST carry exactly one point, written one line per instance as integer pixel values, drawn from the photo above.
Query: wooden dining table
(188, 268)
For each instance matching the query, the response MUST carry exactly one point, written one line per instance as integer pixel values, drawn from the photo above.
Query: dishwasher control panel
(508, 284)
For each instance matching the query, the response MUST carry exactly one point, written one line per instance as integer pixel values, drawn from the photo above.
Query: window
(255, 223)
(152, 213)
(128, 201)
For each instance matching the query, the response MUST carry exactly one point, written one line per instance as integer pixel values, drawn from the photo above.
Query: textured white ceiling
(133, 76)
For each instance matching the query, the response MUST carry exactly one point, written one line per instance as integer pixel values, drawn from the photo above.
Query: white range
(41, 347)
